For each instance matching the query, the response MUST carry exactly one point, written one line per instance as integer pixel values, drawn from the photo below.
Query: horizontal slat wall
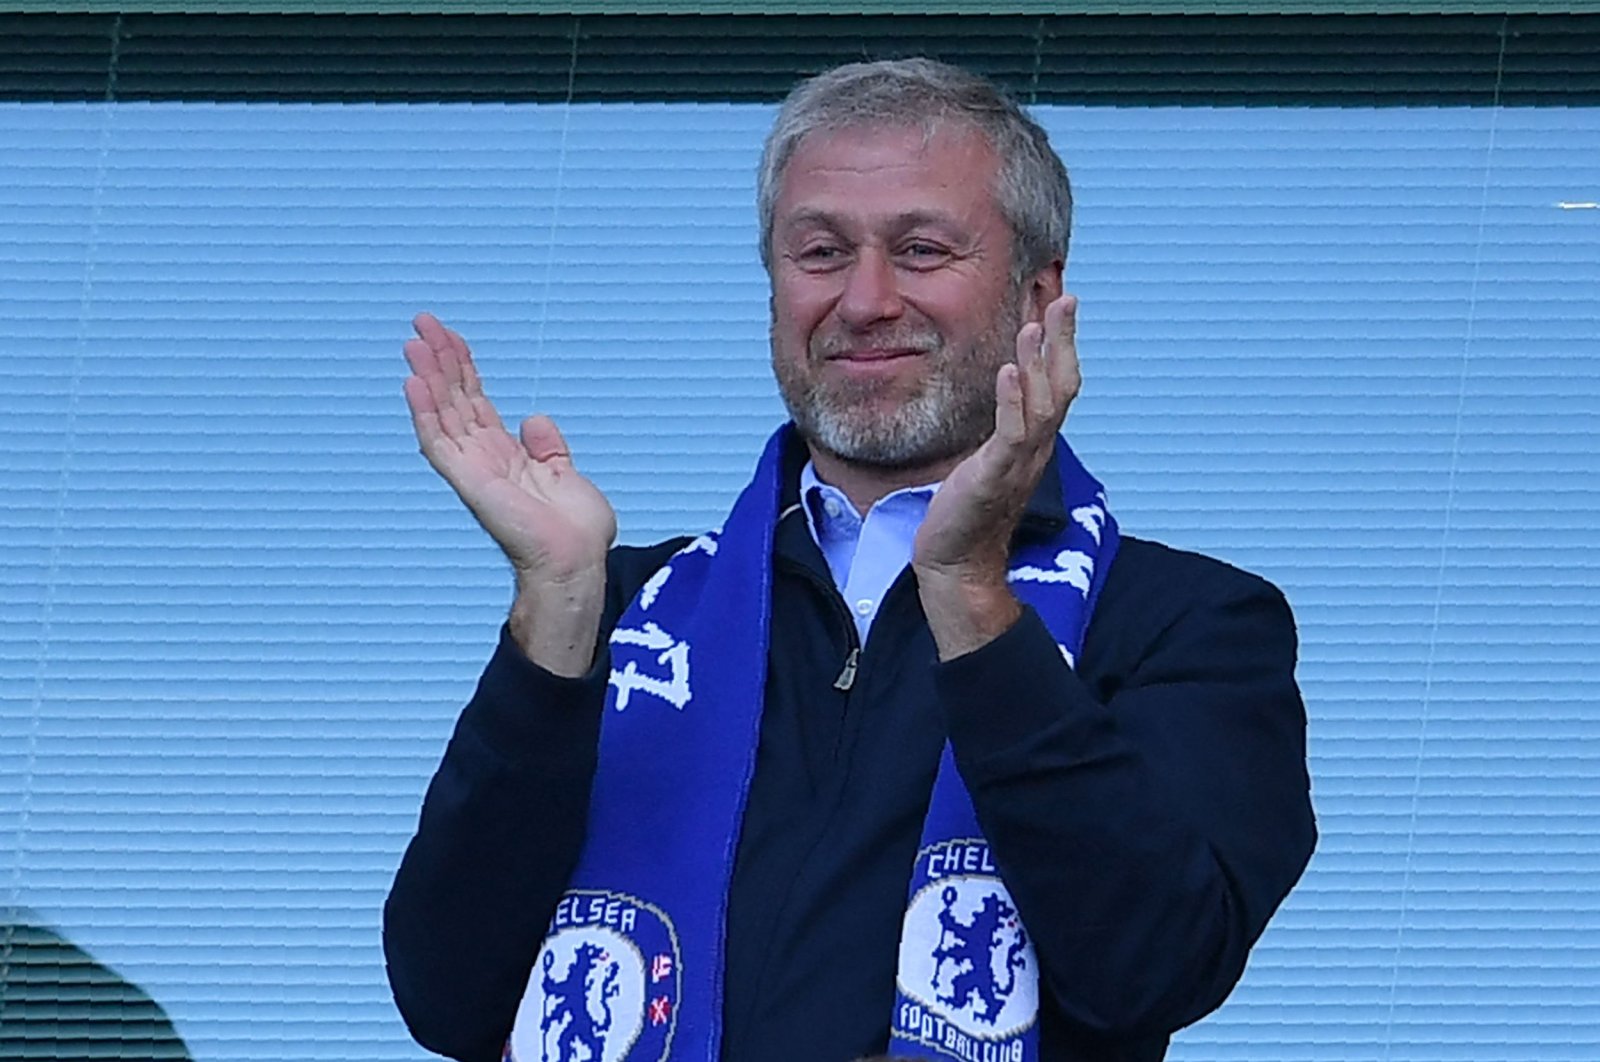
(1341, 60)
(826, 8)
(248, 613)
(1351, 348)
(59, 1004)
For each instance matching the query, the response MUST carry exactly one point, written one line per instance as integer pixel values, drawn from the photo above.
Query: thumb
(543, 440)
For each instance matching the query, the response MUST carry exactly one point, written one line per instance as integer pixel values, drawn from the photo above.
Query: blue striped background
(1355, 350)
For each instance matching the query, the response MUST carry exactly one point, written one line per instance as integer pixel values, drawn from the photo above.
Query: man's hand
(553, 524)
(962, 549)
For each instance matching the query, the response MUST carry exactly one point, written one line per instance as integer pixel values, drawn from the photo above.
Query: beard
(947, 413)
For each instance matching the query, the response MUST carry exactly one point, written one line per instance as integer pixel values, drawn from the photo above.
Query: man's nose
(871, 291)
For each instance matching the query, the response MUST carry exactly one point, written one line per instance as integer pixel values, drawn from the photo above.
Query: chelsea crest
(968, 979)
(604, 986)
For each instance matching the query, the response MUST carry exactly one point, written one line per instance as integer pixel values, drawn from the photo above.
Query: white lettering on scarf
(669, 651)
(1072, 566)
(1091, 518)
(706, 543)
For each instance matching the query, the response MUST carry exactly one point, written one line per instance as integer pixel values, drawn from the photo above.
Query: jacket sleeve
(1147, 828)
(500, 831)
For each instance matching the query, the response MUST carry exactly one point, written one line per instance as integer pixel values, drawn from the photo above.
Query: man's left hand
(963, 547)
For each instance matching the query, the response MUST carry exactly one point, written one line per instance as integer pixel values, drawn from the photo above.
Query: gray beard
(938, 423)
(949, 417)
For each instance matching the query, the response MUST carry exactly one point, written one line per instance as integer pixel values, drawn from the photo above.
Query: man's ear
(1043, 288)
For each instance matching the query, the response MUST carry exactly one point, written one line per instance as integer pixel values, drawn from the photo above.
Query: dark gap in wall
(1202, 60)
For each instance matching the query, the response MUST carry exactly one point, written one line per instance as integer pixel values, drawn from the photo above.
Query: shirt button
(864, 607)
(832, 508)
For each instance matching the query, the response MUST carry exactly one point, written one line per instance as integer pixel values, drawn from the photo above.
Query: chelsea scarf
(631, 967)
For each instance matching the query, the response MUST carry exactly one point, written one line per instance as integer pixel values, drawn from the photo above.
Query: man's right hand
(553, 524)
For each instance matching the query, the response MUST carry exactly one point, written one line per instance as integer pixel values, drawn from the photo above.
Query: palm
(962, 508)
(525, 492)
(977, 507)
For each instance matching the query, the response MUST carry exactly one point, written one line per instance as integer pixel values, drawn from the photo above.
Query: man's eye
(919, 251)
(821, 257)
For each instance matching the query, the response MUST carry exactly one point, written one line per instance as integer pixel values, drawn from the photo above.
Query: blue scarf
(631, 968)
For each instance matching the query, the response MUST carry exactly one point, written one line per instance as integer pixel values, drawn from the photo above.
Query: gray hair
(1032, 189)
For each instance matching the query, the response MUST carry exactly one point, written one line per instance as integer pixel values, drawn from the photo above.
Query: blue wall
(1355, 350)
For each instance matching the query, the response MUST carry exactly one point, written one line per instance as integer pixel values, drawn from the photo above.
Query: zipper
(847, 677)
(852, 660)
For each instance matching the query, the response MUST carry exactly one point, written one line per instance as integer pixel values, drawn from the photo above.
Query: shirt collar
(1043, 518)
(828, 511)
(826, 506)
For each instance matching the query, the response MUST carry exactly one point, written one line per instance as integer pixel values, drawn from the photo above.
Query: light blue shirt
(865, 554)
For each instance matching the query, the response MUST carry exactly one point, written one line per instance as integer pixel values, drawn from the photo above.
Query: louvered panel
(1451, 909)
(1350, 348)
(1423, 58)
(810, 8)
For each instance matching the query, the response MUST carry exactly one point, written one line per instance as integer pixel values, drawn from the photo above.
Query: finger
(449, 407)
(430, 331)
(1061, 341)
(425, 419)
(470, 381)
(442, 358)
(420, 357)
(456, 343)
(448, 352)
(455, 418)
(429, 380)
(1033, 375)
(419, 398)
(433, 357)
(427, 392)
(1010, 420)
(544, 442)
(483, 411)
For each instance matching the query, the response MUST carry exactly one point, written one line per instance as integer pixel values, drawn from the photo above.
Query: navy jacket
(1148, 811)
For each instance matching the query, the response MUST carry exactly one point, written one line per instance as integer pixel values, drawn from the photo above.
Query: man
(916, 754)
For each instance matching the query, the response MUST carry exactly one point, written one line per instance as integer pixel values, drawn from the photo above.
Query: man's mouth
(868, 355)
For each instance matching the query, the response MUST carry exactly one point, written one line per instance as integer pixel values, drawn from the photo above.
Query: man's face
(892, 300)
